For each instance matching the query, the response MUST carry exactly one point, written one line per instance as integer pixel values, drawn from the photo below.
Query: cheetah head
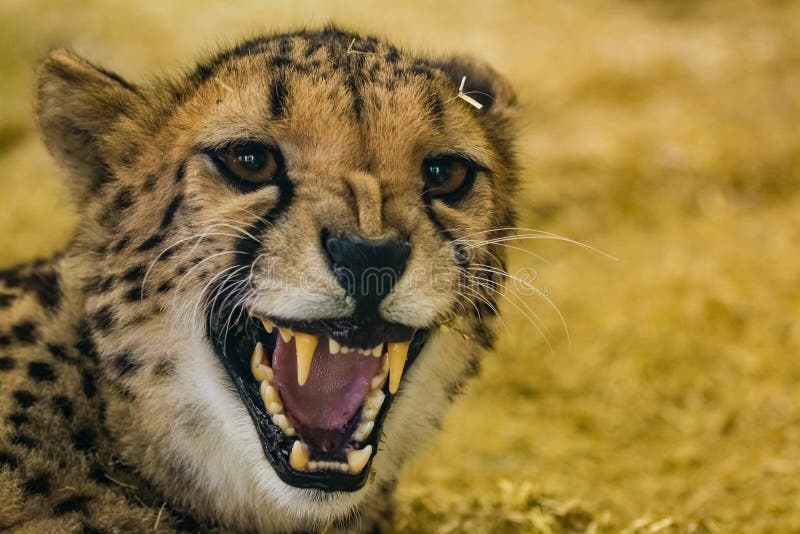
(288, 258)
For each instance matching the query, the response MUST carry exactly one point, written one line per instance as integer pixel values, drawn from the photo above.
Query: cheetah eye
(447, 177)
(252, 163)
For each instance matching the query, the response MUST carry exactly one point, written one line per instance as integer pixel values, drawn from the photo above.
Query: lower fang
(298, 458)
(357, 459)
(283, 423)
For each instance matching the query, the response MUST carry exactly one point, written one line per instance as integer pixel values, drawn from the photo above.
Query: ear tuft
(77, 103)
(483, 83)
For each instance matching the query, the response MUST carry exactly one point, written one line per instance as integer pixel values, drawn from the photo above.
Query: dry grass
(666, 133)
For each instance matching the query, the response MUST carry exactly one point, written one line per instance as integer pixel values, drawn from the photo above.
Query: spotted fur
(115, 414)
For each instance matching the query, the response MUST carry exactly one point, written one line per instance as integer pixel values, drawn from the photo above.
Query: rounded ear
(76, 105)
(483, 84)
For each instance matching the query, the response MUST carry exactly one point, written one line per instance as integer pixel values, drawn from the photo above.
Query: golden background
(664, 133)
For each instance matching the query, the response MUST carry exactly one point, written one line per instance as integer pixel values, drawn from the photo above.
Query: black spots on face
(123, 365)
(25, 332)
(5, 340)
(392, 54)
(18, 419)
(11, 277)
(172, 209)
(37, 485)
(135, 273)
(6, 299)
(38, 278)
(150, 243)
(164, 286)
(59, 352)
(120, 245)
(311, 48)
(75, 503)
(41, 372)
(85, 344)
(165, 368)
(24, 398)
(123, 200)
(133, 294)
(83, 439)
(63, 406)
(23, 440)
(103, 319)
(278, 94)
(7, 363)
(7, 459)
(149, 182)
(88, 383)
(98, 474)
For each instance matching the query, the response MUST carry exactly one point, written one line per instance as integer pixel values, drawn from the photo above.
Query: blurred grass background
(665, 133)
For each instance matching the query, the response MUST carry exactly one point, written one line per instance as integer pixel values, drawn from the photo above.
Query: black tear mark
(181, 173)
(89, 384)
(41, 371)
(25, 398)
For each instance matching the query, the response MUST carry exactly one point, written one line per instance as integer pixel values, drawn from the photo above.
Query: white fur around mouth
(393, 356)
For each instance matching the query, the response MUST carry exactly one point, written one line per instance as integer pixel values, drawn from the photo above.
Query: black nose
(366, 268)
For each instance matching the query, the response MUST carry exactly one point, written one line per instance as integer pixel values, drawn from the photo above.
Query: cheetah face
(317, 209)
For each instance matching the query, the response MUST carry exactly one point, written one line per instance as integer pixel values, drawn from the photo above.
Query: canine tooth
(346, 349)
(333, 346)
(286, 334)
(377, 350)
(357, 459)
(269, 326)
(258, 366)
(364, 430)
(298, 458)
(305, 344)
(398, 352)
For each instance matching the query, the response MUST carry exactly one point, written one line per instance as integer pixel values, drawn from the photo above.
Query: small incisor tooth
(333, 346)
(283, 422)
(398, 352)
(305, 345)
(364, 430)
(298, 458)
(261, 371)
(286, 334)
(357, 459)
(269, 326)
(377, 350)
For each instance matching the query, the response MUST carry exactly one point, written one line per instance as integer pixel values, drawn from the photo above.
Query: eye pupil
(445, 175)
(252, 160)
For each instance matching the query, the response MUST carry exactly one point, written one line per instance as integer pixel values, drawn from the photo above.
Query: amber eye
(446, 175)
(253, 163)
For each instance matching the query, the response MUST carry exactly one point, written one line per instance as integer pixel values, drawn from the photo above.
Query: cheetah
(285, 268)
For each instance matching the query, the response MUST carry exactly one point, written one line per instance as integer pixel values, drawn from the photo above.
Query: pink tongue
(335, 389)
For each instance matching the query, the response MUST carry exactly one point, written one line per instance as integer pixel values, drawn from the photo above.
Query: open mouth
(317, 391)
